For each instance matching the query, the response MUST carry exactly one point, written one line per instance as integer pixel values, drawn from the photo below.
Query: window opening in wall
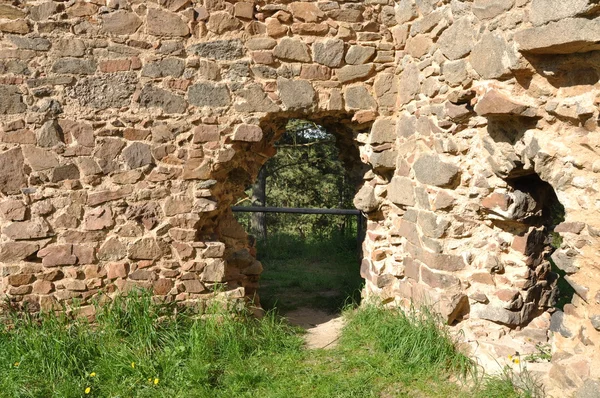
(311, 261)
(541, 208)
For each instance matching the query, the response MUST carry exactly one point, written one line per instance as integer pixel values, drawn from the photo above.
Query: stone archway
(126, 128)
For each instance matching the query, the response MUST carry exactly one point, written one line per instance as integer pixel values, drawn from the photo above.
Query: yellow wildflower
(93, 374)
(516, 360)
(156, 381)
(87, 390)
(510, 358)
(133, 365)
(17, 364)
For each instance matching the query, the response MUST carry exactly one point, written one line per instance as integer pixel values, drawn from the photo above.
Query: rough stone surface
(492, 57)
(570, 35)
(226, 50)
(165, 23)
(292, 50)
(329, 52)
(113, 90)
(296, 94)
(13, 177)
(431, 170)
(209, 94)
(457, 41)
(121, 22)
(11, 101)
(158, 98)
(127, 131)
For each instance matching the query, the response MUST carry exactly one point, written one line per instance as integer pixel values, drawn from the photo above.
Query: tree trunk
(258, 221)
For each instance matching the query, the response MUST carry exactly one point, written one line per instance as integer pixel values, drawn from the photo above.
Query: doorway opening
(311, 262)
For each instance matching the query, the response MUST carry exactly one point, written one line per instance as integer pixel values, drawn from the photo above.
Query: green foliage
(306, 172)
(141, 349)
(316, 273)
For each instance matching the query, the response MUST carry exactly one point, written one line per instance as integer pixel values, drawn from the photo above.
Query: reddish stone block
(117, 270)
(20, 279)
(247, 133)
(115, 65)
(162, 286)
(206, 133)
(262, 57)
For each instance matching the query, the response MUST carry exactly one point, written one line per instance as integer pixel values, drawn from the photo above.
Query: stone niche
(127, 130)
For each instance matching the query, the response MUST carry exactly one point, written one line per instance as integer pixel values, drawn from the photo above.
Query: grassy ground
(138, 349)
(316, 273)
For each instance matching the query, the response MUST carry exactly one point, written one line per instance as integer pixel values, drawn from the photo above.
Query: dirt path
(322, 329)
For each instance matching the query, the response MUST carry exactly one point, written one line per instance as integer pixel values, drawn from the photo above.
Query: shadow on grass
(322, 274)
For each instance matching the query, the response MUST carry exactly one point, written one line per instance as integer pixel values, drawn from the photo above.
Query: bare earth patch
(322, 329)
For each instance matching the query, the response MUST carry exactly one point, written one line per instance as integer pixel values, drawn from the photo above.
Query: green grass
(317, 273)
(382, 353)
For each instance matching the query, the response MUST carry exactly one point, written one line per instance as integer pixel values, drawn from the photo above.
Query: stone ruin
(128, 129)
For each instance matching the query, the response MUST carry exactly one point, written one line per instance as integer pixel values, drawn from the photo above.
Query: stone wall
(128, 128)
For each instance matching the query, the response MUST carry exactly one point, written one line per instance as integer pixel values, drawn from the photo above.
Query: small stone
(223, 50)
(354, 72)
(243, 10)
(209, 94)
(315, 72)
(163, 286)
(27, 43)
(56, 255)
(116, 270)
(221, 21)
(383, 131)
(495, 103)
(138, 154)
(289, 49)
(163, 68)
(206, 133)
(365, 199)
(13, 210)
(566, 36)
(74, 66)
(247, 133)
(145, 249)
(12, 175)
(358, 55)
(306, 11)
(11, 101)
(165, 23)
(65, 172)
(409, 84)
(488, 9)
(23, 230)
(12, 252)
(492, 57)
(253, 99)
(544, 11)
(9, 12)
(401, 191)
(214, 271)
(153, 97)
(18, 26)
(109, 91)
(193, 286)
(98, 219)
(429, 169)
(457, 41)
(358, 97)
(296, 94)
(20, 279)
(121, 22)
(112, 250)
(329, 52)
